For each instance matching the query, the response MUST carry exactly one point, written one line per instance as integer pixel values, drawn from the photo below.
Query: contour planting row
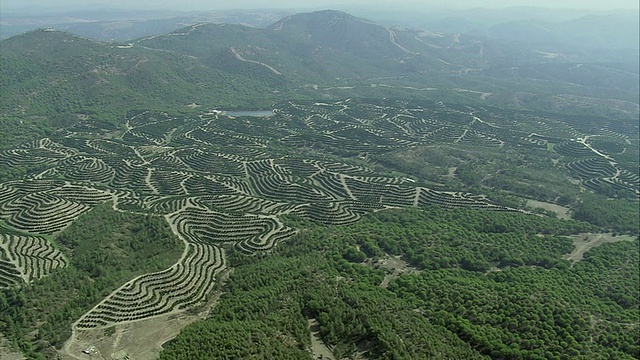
(162, 158)
(329, 213)
(111, 147)
(593, 167)
(136, 138)
(265, 167)
(203, 225)
(42, 213)
(381, 193)
(28, 157)
(346, 169)
(128, 174)
(214, 137)
(331, 184)
(81, 194)
(86, 169)
(170, 204)
(129, 201)
(13, 191)
(298, 167)
(572, 149)
(207, 185)
(55, 147)
(34, 257)
(31, 186)
(267, 241)
(607, 185)
(211, 163)
(245, 204)
(429, 197)
(179, 287)
(276, 186)
(168, 182)
(9, 275)
(158, 128)
(629, 178)
(477, 138)
(363, 135)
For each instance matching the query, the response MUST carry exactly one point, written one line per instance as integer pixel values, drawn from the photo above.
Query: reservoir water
(251, 113)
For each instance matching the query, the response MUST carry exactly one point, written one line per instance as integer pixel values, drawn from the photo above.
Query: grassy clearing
(562, 211)
(585, 242)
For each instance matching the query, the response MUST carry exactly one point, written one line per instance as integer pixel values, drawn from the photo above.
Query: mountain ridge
(51, 74)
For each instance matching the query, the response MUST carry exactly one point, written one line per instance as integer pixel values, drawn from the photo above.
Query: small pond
(251, 113)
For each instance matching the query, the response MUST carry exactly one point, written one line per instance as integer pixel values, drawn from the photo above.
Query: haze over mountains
(325, 54)
(513, 135)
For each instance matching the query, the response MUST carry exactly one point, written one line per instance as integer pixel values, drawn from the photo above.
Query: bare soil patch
(395, 266)
(319, 349)
(587, 241)
(6, 353)
(139, 340)
(563, 212)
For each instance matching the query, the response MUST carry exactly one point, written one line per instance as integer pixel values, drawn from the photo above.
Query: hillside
(402, 194)
(50, 78)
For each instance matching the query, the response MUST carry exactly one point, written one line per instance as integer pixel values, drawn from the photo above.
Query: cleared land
(141, 340)
(6, 353)
(395, 267)
(319, 349)
(585, 242)
(562, 211)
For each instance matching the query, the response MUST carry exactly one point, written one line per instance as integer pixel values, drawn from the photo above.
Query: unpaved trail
(149, 183)
(239, 57)
(319, 349)
(464, 133)
(416, 199)
(585, 242)
(346, 187)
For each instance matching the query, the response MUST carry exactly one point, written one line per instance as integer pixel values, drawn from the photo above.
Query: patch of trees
(535, 306)
(619, 215)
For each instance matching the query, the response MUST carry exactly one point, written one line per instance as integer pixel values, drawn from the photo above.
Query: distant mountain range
(325, 54)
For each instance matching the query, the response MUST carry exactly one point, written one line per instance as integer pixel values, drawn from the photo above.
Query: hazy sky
(334, 4)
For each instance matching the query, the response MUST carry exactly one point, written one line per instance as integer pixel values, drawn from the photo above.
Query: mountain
(121, 25)
(343, 33)
(591, 38)
(52, 78)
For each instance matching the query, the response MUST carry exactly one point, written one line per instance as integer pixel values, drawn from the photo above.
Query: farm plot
(33, 257)
(224, 182)
(82, 168)
(42, 213)
(183, 285)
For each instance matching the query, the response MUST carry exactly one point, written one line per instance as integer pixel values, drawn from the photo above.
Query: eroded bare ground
(587, 241)
(140, 340)
(563, 212)
(319, 349)
(394, 266)
(6, 353)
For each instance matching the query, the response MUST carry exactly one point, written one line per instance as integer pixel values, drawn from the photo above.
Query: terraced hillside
(224, 183)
